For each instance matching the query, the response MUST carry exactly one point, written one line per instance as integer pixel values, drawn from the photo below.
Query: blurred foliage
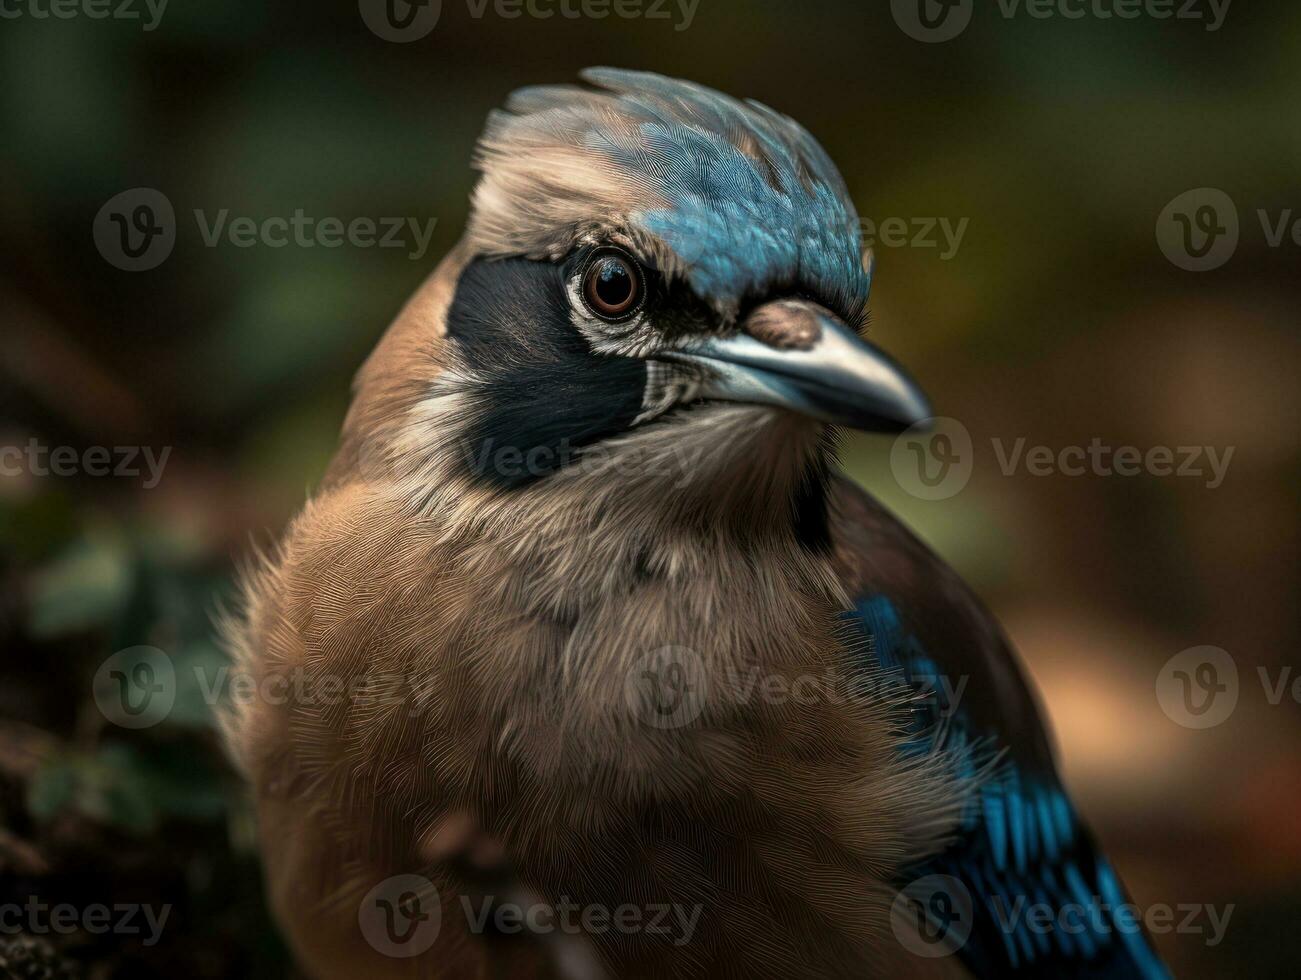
(1057, 320)
(92, 813)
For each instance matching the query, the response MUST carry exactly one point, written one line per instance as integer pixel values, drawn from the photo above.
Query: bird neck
(687, 502)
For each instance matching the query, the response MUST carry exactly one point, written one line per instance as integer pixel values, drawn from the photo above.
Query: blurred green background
(1058, 320)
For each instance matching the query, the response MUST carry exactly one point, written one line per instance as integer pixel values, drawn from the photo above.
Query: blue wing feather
(1022, 847)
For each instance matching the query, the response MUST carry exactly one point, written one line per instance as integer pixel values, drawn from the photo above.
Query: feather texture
(733, 196)
(1021, 844)
(446, 648)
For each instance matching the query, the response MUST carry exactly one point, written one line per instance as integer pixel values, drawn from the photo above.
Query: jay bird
(584, 537)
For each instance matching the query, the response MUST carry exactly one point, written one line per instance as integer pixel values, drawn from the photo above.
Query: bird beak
(798, 355)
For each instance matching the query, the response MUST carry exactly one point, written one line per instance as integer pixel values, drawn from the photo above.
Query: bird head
(649, 265)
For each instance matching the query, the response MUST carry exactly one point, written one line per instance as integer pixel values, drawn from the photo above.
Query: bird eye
(613, 286)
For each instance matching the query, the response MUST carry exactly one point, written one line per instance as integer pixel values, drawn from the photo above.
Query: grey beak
(809, 362)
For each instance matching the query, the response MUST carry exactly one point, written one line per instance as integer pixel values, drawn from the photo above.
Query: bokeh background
(1058, 320)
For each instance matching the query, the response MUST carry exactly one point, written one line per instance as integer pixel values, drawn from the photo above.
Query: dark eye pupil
(613, 283)
(613, 286)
